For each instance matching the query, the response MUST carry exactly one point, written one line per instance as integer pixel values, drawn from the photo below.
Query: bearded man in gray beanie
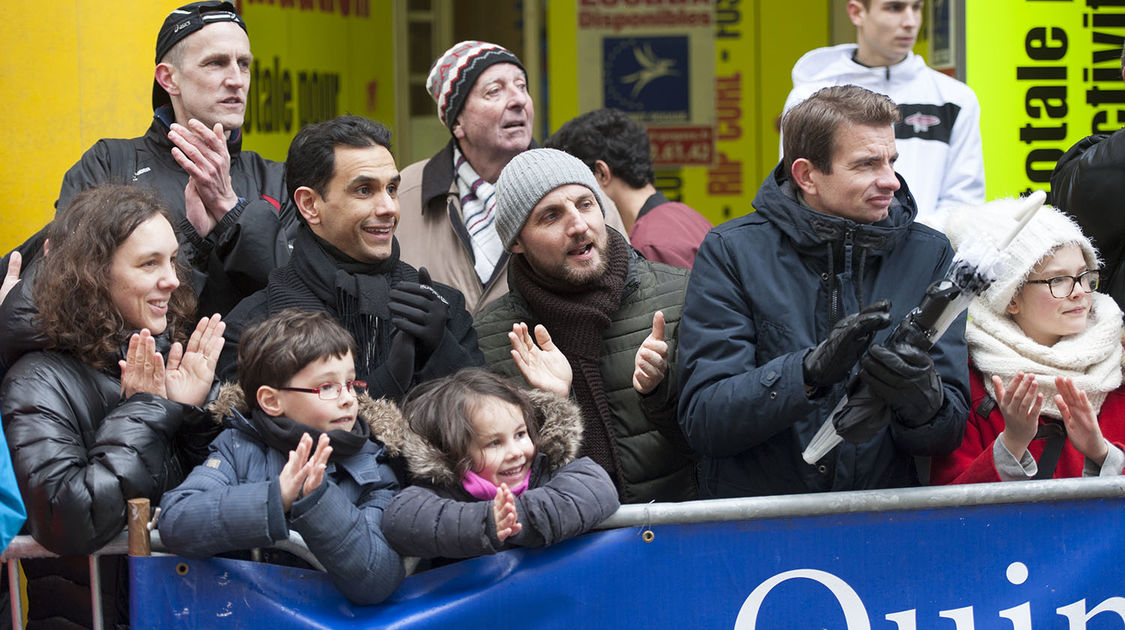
(604, 319)
(448, 201)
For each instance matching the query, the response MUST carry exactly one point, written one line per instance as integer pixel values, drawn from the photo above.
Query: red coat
(972, 461)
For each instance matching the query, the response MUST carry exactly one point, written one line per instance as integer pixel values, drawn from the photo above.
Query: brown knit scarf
(576, 317)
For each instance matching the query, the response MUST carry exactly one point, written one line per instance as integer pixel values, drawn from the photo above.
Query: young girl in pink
(494, 467)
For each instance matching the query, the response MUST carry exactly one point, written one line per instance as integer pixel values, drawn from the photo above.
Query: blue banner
(1033, 566)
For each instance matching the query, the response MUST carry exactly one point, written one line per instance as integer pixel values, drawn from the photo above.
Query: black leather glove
(419, 311)
(400, 359)
(832, 360)
(906, 380)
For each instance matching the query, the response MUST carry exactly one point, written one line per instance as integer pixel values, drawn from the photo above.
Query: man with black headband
(231, 206)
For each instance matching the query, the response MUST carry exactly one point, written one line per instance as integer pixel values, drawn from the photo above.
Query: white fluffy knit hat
(1048, 230)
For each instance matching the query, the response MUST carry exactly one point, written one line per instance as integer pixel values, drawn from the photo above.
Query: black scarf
(283, 434)
(320, 277)
(576, 317)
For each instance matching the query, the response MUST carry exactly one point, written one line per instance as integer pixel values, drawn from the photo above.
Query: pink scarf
(484, 489)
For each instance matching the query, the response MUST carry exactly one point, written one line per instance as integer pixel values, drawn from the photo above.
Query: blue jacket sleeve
(12, 512)
(728, 402)
(347, 538)
(211, 512)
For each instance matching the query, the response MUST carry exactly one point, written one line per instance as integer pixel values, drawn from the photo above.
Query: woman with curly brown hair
(109, 409)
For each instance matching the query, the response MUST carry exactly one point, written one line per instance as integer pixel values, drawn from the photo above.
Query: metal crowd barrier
(139, 541)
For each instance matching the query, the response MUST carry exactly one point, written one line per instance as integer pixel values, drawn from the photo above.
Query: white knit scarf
(478, 211)
(1091, 358)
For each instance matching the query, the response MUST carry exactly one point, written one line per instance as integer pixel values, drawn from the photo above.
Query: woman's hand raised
(190, 371)
(142, 371)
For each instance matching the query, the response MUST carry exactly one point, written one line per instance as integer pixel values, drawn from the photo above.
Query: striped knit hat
(456, 70)
(528, 178)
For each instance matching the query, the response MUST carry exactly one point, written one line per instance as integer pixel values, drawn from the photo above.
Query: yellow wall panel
(59, 97)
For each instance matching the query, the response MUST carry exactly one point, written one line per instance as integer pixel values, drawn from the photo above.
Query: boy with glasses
(297, 454)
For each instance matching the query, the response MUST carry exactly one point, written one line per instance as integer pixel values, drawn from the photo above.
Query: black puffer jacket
(235, 258)
(80, 452)
(1088, 183)
(438, 518)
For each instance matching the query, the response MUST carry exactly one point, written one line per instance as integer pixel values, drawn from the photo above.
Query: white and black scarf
(478, 211)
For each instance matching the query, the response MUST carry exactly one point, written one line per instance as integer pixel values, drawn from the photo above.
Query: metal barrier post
(14, 593)
(96, 594)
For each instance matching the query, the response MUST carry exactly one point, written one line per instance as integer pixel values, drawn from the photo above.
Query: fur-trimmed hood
(560, 435)
(230, 397)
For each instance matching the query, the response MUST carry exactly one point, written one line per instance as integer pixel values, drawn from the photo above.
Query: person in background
(298, 454)
(494, 467)
(228, 204)
(1044, 354)
(938, 134)
(448, 201)
(616, 148)
(111, 408)
(1086, 183)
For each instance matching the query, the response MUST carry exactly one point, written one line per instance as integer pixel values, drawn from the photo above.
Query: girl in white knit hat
(1044, 357)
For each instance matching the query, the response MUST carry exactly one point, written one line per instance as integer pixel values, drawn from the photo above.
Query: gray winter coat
(232, 502)
(565, 496)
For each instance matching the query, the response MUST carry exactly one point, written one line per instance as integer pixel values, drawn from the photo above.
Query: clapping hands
(302, 474)
(504, 513)
(187, 375)
(202, 152)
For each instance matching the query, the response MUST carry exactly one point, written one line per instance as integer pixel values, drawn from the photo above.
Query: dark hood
(811, 231)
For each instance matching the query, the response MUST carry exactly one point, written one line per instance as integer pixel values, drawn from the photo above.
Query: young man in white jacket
(938, 139)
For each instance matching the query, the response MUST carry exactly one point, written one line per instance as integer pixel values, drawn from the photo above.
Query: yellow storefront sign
(1047, 73)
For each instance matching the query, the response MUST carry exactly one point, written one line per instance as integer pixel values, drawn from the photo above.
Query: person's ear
(165, 75)
(457, 129)
(306, 199)
(856, 12)
(517, 247)
(269, 401)
(803, 176)
(602, 173)
(1013, 308)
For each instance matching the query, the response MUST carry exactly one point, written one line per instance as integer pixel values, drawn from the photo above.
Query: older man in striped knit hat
(448, 204)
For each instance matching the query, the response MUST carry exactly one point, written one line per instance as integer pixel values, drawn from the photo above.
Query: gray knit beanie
(528, 178)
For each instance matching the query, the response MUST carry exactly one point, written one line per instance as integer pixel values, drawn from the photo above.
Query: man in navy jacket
(786, 303)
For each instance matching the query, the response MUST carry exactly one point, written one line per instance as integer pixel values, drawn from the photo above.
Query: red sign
(681, 146)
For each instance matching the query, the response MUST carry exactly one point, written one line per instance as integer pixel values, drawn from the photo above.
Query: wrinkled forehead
(852, 138)
(499, 72)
